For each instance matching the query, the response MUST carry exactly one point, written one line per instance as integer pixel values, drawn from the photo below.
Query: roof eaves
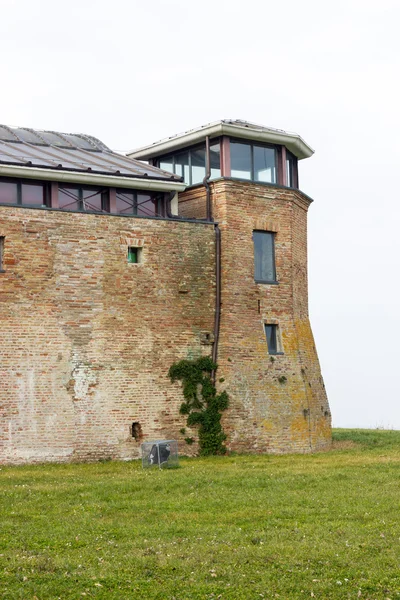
(90, 178)
(241, 129)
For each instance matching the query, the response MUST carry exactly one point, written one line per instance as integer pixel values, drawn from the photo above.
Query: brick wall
(265, 414)
(87, 339)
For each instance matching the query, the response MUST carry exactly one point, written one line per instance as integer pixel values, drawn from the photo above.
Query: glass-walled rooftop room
(81, 198)
(234, 158)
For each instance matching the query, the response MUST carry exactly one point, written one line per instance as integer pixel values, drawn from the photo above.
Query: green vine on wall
(203, 406)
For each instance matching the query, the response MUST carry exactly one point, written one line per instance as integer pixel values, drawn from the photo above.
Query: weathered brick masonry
(278, 403)
(87, 338)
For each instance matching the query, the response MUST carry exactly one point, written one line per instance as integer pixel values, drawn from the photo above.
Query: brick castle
(112, 269)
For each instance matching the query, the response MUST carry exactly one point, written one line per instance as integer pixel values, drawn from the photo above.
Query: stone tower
(245, 178)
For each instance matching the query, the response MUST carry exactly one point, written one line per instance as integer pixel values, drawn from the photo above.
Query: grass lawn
(322, 526)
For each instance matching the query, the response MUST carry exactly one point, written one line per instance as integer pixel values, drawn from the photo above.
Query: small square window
(273, 339)
(134, 255)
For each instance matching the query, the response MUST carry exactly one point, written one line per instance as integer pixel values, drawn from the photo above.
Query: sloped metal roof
(230, 127)
(21, 146)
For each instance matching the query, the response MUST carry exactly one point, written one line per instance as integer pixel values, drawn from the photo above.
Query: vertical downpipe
(217, 230)
(217, 318)
(206, 180)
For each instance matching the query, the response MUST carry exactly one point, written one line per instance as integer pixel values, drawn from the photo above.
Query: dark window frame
(51, 197)
(188, 150)
(273, 340)
(105, 197)
(266, 281)
(135, 251)
(46, 185)
(2, 244)
(158, 196)
(293, 170)
(252, 146)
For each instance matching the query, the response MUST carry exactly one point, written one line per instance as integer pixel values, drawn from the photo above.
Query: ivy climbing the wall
(203, 406)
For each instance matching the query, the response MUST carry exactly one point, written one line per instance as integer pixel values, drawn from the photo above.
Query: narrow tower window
(1, 254)
(273, 339)
(264, 257)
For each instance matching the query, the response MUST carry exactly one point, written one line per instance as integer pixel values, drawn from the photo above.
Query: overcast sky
(131, 72)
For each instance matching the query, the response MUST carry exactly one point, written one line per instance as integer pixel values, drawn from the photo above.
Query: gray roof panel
(70, 152)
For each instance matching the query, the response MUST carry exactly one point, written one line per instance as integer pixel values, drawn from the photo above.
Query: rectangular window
(95, 200)
(215, 160)
(253, 162)
(79, 198)
(134, 255)
(264, 164)
(68, 198)
(241, 160)
(290, 170)
(182, 167)
(273, 339)
(33, 194)
(191, 163)
(198, 165)
(8, 193)
(147, 206)
(1, 254)
(264, 257)
(129, 202)
(24, 193)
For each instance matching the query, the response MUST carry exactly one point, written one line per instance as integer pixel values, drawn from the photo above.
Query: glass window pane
(264, 164)
(215, 160)
(289, 170)
(32, 195)
(264, 261)
(198, 165)
(166, 164)
(182, 166)
(240, 160)
(270, 331)
(92, 200)
(126, 203)
(147, 206)
(8, 193)
(68, 198)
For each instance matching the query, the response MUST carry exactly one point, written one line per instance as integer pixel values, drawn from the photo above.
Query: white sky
(132, 72)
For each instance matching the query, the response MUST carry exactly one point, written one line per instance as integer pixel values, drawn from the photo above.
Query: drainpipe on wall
(217, 230)
(217, 318)
(206, 180)
(168, 200)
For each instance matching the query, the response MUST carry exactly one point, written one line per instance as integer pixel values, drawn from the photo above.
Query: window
(79, 198)
(25, 193)
(1, 254)
(191, 163)
(130, 202)
(273, 339)
(253, 162)
(134, 255)
(291, 169)
(264, 257)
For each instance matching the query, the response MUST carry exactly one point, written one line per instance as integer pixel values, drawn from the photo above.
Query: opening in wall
(134, 255)
(274, 342)
(136, 431)
(1, 253)
(264, 257)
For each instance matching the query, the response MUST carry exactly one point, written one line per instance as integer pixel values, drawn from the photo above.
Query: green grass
(325, 526)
